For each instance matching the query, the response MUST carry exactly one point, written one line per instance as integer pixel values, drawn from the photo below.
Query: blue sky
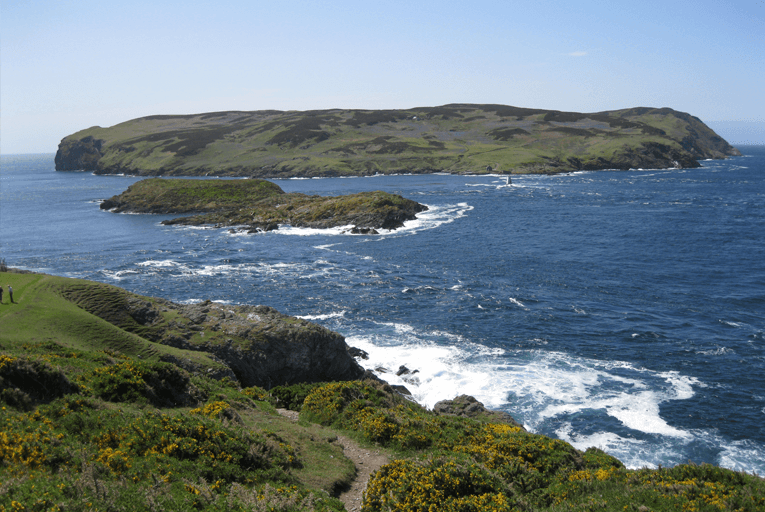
(68, 65)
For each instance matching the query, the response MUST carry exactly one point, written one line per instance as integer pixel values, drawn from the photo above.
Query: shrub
(24, 382)
(255, 393)
(292, 397)
(161, 384)
(445, 485)
(122, 382)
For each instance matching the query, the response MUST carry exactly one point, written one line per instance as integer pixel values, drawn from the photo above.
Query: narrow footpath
(367, 461)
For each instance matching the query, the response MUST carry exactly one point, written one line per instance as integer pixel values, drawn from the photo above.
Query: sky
(67, 65)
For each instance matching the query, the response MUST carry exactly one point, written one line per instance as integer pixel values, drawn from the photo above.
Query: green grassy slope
(458, 138)
(93, 420)
(42, 314)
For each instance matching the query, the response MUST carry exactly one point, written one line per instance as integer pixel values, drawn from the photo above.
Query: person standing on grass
(10, 293)
(1, 294)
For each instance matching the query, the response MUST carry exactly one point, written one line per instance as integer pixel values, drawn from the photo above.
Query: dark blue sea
(622, 310)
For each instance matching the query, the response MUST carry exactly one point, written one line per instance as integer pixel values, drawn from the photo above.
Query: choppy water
(622, 310)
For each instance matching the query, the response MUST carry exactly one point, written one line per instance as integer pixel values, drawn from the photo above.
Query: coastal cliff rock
(468, 407)
(79, 155)
(259, 345)
(455, 138)
(272, 348)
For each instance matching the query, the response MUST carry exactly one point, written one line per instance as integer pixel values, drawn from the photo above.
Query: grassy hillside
(93, 419)
(457, 138)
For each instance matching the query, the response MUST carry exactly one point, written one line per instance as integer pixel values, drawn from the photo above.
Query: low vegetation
(95, 421)
(456, 138)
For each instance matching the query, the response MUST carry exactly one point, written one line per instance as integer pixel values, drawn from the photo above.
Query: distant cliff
(455, 138)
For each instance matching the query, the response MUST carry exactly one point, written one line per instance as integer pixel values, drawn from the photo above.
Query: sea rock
(468, 406)
(401, 390)
(357, 353)
(402, 370)
(363, 231)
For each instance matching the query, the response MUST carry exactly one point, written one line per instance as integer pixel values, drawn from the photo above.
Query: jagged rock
(401, 389)
(363, 231)
(358, 353)
(263, 228)
(468, 406)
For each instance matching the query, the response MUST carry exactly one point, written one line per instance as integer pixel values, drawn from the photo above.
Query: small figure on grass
(10, 293)
(1, 294)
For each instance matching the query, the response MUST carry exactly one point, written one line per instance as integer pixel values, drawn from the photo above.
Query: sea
(623, 310)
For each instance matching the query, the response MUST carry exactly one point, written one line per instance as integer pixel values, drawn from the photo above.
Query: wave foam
(326, 316)
(619, 402)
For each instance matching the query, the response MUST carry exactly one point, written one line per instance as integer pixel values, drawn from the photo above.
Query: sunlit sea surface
(622, 310)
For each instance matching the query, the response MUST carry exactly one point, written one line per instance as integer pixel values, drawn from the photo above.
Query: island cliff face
(456, 138)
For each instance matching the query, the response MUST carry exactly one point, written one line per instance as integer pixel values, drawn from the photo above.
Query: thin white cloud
(577, 54)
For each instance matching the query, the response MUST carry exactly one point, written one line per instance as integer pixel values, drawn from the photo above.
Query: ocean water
(622, 310)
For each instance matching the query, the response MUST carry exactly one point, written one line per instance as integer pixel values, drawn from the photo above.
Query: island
(258, 205)
(454, 138)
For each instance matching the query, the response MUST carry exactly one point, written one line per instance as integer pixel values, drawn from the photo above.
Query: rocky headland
(255, 345)
(258, 205)
(455, 138)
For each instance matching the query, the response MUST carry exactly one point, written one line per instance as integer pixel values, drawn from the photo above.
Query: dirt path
(367, 461)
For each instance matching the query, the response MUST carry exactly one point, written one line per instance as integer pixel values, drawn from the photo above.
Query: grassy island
(455, 138)
(261, 205)
(101, 412)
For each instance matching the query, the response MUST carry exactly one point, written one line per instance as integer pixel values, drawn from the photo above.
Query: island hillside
(115, 401)
(261, 205)
(455, 138)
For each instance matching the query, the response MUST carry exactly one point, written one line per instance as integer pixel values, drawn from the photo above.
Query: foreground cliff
(456, 138)
(115, 401)
(251, 345)
(262, 206)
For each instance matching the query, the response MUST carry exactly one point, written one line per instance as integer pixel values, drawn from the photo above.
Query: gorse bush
(104, 446)
(475, 466)
(161, 384)
(76, 447)
(444, 484)
(292, 397)
(24, 382)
